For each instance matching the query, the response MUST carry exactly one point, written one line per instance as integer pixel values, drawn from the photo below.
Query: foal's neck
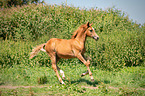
(81, 37)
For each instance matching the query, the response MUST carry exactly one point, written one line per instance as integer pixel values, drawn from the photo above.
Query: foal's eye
(91, 30)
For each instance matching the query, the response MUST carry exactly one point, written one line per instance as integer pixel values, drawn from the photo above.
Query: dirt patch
(110, 87)
(14, 87)
(98, 87)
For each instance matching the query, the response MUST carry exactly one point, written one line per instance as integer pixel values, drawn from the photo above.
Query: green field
(117, 58)
(127, 81)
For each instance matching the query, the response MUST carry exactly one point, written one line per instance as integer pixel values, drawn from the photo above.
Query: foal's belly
(65, 56)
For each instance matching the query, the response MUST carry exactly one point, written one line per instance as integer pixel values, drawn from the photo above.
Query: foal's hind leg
(87, 63)
(61, 72)
(54, 66)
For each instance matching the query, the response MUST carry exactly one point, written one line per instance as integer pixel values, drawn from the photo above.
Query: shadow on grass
(89, 82)
(1, 83)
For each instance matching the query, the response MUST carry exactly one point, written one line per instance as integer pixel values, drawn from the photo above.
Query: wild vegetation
(10, 3)
(117, 59)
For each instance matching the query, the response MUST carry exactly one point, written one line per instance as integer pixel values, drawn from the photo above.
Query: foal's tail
(36, 50)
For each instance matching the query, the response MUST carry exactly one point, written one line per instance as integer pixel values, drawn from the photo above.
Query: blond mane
(80, 29)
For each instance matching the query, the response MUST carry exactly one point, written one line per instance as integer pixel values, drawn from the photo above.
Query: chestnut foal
(72, 48)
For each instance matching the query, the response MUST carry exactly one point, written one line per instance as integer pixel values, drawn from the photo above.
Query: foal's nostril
(96, 38)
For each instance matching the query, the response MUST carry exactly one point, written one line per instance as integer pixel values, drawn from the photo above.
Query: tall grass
(121, 40)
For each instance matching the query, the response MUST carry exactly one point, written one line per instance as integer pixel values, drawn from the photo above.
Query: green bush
(121, 41)
(34, 21)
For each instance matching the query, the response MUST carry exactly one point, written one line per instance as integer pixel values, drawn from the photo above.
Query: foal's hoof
(82, 75)
(63, 78)
(63, 83)
(92, 80)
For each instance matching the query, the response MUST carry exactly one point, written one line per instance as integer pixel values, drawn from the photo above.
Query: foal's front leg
(87, 63)
(83, 74)
(87, 72)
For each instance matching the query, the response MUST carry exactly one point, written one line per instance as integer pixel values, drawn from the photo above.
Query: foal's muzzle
(96, 38)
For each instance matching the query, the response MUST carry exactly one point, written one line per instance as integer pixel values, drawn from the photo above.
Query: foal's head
(87, 29)
(90, 32)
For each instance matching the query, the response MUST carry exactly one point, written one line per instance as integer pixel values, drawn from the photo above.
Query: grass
(71, 91)
(127, 81)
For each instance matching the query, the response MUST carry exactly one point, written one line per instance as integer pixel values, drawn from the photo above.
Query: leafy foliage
(121, 40)
(10, 3)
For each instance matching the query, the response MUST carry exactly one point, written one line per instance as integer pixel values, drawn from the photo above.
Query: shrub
(121, 40)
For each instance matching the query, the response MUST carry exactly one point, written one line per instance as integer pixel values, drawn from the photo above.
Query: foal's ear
(91, 24)
(88, 24)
